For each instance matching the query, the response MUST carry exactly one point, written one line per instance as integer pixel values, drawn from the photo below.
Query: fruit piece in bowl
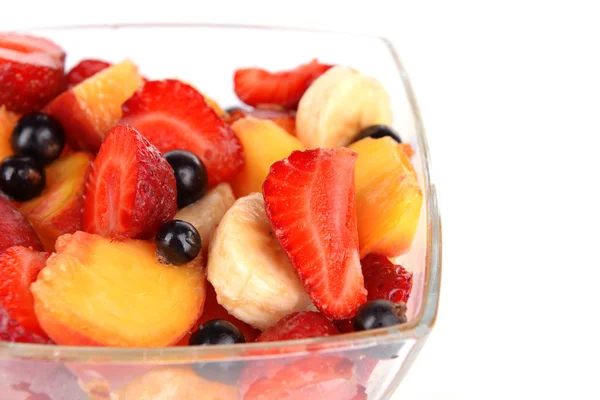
(31, 72)
(57, 210)
(19, 267)
(88, 110)
(98, 292)
(248, 269)
(309, 199)
(16, 229)
(388, 197)
(131, 190)
(264, 143)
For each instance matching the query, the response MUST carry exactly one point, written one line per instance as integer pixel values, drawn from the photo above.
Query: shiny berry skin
(190, 174)
(40, 136)
(217, 331)
(178, 242)
(21, 178)
(379, 314)
(377, 132)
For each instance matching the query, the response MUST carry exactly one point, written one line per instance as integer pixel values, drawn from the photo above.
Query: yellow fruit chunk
(175, 384)
(8, 120)
(264, 143)
(388, 197)
(98, 292)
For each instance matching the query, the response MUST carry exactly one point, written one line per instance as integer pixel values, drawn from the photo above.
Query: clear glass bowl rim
(418, 328)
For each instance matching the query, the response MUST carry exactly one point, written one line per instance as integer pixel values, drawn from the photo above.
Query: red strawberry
(131, 190)
(309, 199)
(19, 268)
(84, 70)
(314, 375)
(256, 87)
(300, 325)
(173, 115)
(16, 230)
(31, 72)
(384, 280)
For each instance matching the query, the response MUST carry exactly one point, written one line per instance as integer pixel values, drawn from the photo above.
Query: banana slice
(249, 270)
(338, 105)
(206, 213)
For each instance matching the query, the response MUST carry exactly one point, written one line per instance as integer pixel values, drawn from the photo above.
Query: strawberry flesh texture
(85, 69)
(131, 191)
(19, 268)
(300, 325)
(173, 115)
(31, 72)
(16, 230)
(258, 87)
(309, 199)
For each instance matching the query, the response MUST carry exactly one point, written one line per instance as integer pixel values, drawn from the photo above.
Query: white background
(510, 95)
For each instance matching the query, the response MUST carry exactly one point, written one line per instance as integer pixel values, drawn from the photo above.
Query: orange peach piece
(264, 143)
(98, 292)
(90, 109)
(175, 384)
(388, 197)
(8, 120)
(58, 210)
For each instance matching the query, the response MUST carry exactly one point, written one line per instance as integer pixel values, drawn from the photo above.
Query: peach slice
(264, 143)
(206, 213)
(175, 384)
(8, 120)
(58, 210)
(388, 197)
(98, 292)
(90, 109)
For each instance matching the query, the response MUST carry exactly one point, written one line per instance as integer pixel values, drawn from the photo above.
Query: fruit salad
(138, 212)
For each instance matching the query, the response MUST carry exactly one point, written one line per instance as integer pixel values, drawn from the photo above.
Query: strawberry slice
(299, 325)
(85, 69)
(131, 190)
(31, 72)
(19, 268)
(309, 199)
(16, 230)
(258, 87)
(173, 115)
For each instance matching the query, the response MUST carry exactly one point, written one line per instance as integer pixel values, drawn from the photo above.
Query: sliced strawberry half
(85, 69)
(131, 190)
(31, 72)
(258, 87)
(19, 268)
(309, 199)
(173, 115)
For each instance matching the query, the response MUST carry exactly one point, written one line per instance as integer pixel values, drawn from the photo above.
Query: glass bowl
(339, 367)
